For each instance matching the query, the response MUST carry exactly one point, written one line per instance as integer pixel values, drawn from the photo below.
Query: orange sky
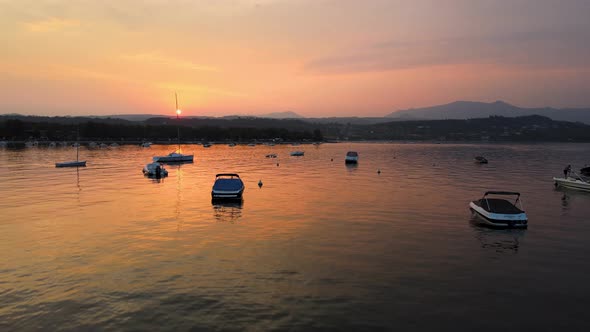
(313, 57)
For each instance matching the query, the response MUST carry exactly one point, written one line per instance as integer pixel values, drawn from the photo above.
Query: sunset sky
(313, 57)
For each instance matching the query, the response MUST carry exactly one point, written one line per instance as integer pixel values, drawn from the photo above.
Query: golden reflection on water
(317, 228)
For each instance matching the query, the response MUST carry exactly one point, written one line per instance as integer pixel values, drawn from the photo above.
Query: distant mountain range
(459, 110)
(471, 110)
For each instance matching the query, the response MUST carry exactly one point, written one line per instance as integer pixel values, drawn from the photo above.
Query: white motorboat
(352, 157)
(227, 186)
(155, 169)
(297, 153)
(572, 183)
(174, 158)
(271, 155)
(206, 145)
(146, 144)
(499, 212)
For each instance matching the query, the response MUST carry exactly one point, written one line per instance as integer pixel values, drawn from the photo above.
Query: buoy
(260, 184)
(378, 171)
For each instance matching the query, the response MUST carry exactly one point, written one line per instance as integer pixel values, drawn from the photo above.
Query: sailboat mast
(177, 122)
(77, 143)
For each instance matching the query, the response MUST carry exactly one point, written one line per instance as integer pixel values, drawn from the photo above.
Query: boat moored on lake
(352, 157)
(174, 157)
(480, 160)
(500, 212)
(155, 169)
(297, 153)
(71, 164)
(227, 186)
(570, 182)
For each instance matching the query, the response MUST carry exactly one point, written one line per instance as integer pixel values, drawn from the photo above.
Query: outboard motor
(158, 172)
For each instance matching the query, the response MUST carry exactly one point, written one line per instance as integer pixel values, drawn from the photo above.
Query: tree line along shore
(16, 128)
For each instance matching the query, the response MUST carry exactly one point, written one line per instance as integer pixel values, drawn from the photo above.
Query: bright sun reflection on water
(319, 245)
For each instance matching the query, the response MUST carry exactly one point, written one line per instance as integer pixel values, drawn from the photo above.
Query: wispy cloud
(159, 59)
(51, 24)
(539, 49)
(201, 89)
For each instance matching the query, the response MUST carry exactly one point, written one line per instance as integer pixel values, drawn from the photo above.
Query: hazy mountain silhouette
(471, 109)
(280, 115)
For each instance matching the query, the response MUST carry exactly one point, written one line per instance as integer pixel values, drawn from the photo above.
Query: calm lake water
(321, 246)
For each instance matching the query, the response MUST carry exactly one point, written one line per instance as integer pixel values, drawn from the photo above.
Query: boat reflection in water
(227, 211)
(351, 167)
(502, 241)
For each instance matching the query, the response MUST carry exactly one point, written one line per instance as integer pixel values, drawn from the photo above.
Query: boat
(251, 144)
(572, 182)
(154, 169)
(585, 170)
(175, 157)
(114, 145)
(352, 157)
(145, 144)
(231, 145)
(480, 160)
(297, 153)
(206, 145)
(227, 186)
(77, 163)
(271, 155)
(499, 212)
(103, 146)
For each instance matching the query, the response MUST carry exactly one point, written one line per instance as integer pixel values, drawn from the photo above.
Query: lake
(320, 246)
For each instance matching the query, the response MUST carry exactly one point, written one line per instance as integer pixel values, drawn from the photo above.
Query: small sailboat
(175, 157)
(77, 163)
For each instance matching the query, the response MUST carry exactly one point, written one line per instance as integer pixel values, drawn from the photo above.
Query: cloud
(552, 49)
(51, 24)
(159, 59)
(200, 89)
